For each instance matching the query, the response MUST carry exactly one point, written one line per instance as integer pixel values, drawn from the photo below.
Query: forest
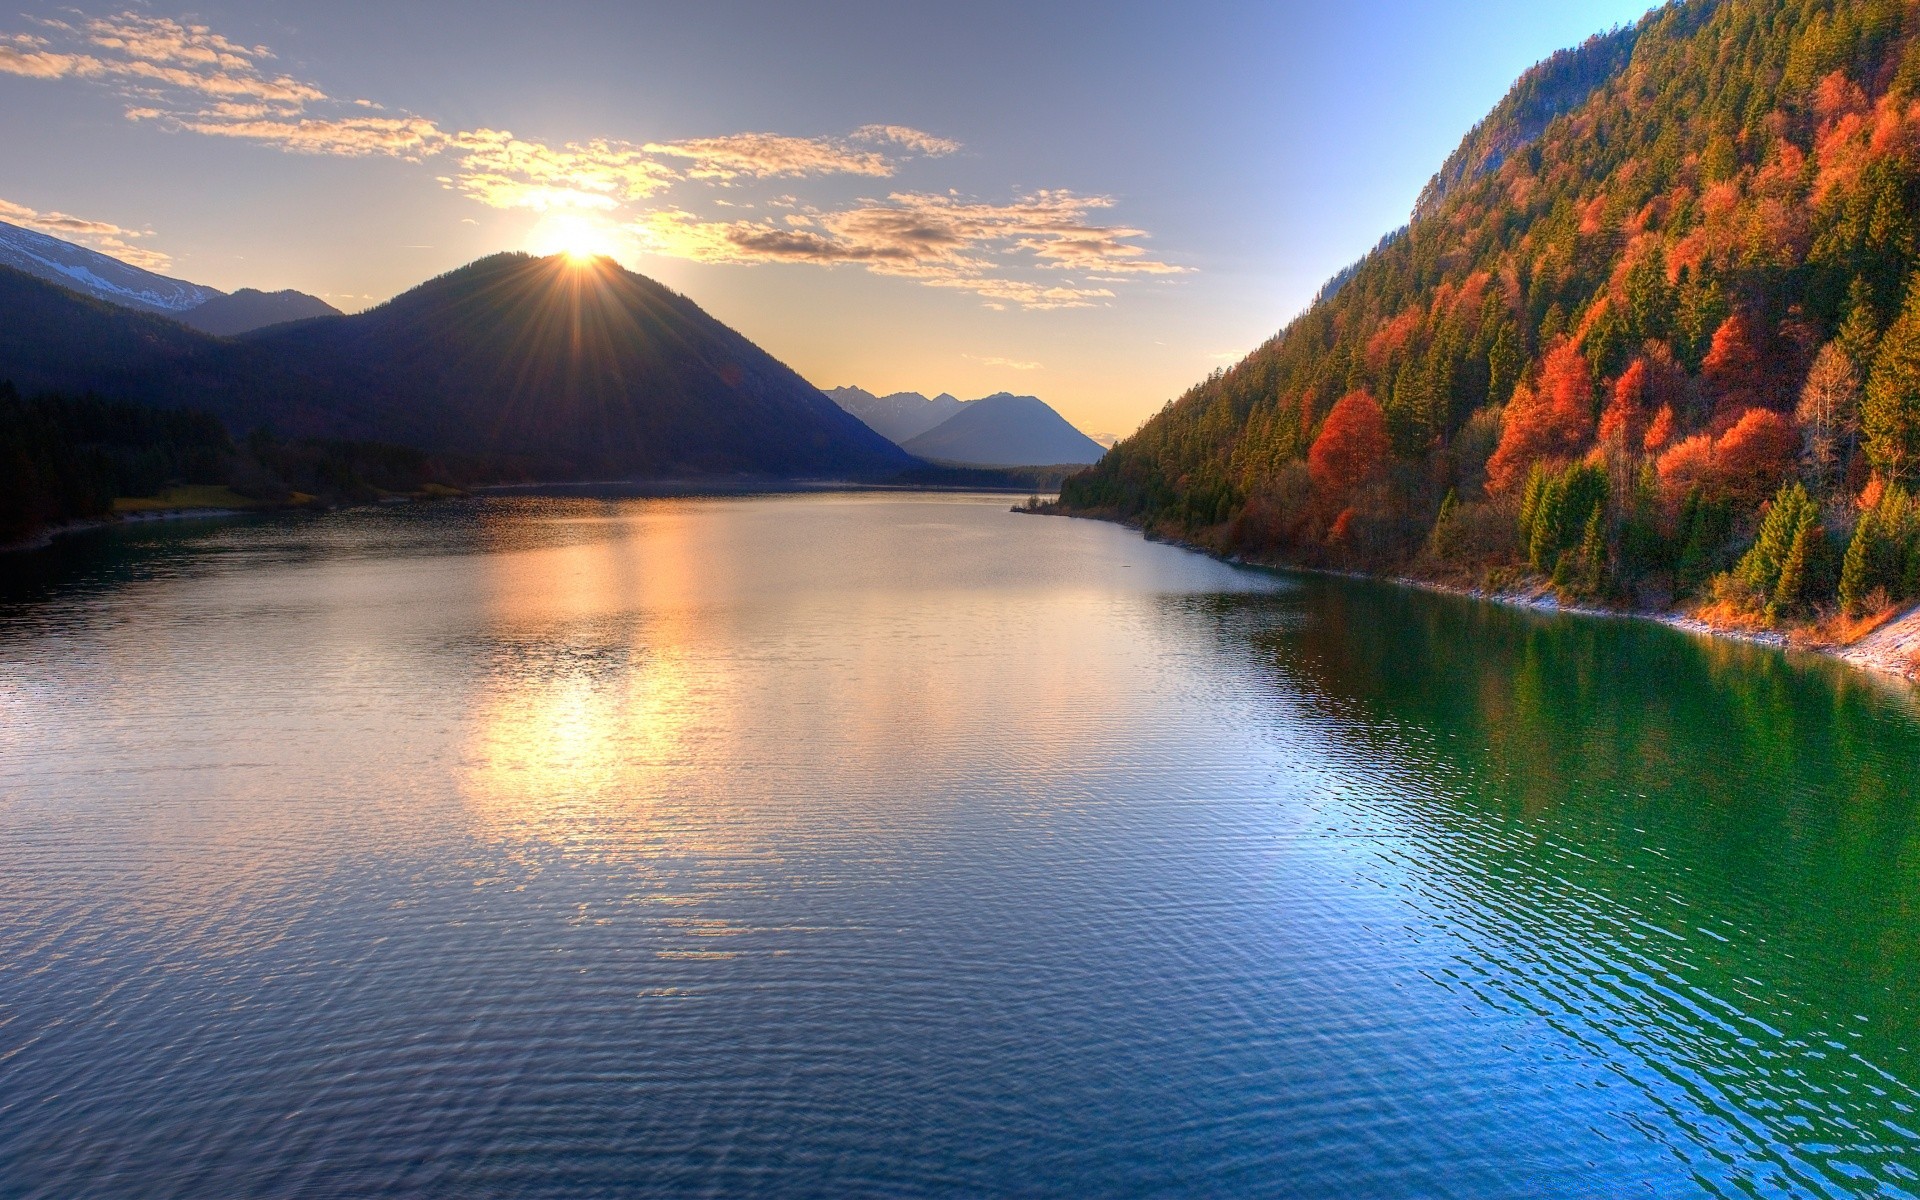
(1652, 337)
(68, 458)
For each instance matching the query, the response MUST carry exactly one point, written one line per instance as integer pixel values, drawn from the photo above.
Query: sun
(581, 238)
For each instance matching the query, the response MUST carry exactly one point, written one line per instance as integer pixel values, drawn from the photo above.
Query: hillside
(100, 276)
(569, 371)
(1652, 334)
(1004, 430)
(249, 309)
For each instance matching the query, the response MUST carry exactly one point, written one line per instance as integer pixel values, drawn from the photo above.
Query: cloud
(352, 137)
(943, 241)
(504, 171)
(101, 235)
(1043, 250)
(1011, 364)
(152, 54)
(772, 155)
(912, 139)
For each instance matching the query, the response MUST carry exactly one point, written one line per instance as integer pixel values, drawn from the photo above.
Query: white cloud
(1043, 250)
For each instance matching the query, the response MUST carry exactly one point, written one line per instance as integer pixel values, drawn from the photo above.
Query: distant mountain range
(568, 371)
(1001, 430)
(104, 277)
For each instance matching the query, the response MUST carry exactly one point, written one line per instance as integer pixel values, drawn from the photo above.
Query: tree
(1734, 369)
(1788, 561)
(1351, 451)
(1890, 417)
(1550, 423)
(1829, 416)
(1753, 457)
(1744, 464)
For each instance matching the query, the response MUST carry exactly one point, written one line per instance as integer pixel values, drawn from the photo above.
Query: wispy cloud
(188, 78)
(942, 240)
(101, 235)
(1011, 364)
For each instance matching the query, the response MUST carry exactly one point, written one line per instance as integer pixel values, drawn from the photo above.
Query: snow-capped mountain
(96, 274)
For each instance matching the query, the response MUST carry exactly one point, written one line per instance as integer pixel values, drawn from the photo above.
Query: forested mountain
(1653, 331)
(564, 370)
(249, 309)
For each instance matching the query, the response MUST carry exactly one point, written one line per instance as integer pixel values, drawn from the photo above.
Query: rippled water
(844, 845)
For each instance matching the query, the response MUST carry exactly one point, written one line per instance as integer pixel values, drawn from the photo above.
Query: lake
(880, 844)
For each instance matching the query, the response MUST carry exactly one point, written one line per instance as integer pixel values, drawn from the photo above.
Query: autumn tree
(1734, 370)
(1351, 452)
(1549, 423)
(1829, 416)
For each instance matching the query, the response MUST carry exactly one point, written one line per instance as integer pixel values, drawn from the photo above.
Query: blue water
(882, 845)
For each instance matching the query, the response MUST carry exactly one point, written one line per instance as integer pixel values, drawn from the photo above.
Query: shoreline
(1890, 651)
(48, 536)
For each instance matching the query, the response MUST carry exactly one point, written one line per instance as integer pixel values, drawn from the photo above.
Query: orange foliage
(1733, 370)
(1351, 451)
(1660, 431)
(1684, 465)
(1550, 423)
(1744, 464)
(1593, 218)
(1624, 423)
(1392, 337)
(1753, 457)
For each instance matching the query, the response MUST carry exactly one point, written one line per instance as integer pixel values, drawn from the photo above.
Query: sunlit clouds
(101, 235)
(687, 198)
(943, 241)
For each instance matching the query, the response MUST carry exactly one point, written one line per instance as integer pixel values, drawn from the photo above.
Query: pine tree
(1857, 570)
(1890, 417)
(1790, 593)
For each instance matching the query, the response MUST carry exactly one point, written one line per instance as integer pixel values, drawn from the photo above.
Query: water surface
(843, 845)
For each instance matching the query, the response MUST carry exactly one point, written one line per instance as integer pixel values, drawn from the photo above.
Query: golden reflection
(585, 719)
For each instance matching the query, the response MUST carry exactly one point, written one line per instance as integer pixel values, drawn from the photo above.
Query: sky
(1096, 203)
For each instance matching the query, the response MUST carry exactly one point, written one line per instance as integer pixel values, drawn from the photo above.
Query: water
(844, 845)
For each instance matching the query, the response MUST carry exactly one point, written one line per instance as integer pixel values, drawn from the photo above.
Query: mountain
(104, 277)
(95, 274)
(897, 417)
(1004, 430)
(248, 309)
(1652, 332)
(572, 371)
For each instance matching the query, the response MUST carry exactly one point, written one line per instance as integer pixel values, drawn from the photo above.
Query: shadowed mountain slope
(577, 371)
(1004, 430)
(898, 417)
(249, 309)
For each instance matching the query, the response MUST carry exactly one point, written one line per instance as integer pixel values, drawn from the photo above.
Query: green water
(898, 845)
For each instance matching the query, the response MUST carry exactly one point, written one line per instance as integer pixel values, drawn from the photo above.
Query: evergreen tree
(1890, 417)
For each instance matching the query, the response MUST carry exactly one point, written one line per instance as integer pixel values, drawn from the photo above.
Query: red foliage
(1735, 370)
(1753, 457)
(1660, 431)
(1744, 464)
(1684, 465)
(1342, 532)
(1551, 423)
(1624, 423)
(1351, 451)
